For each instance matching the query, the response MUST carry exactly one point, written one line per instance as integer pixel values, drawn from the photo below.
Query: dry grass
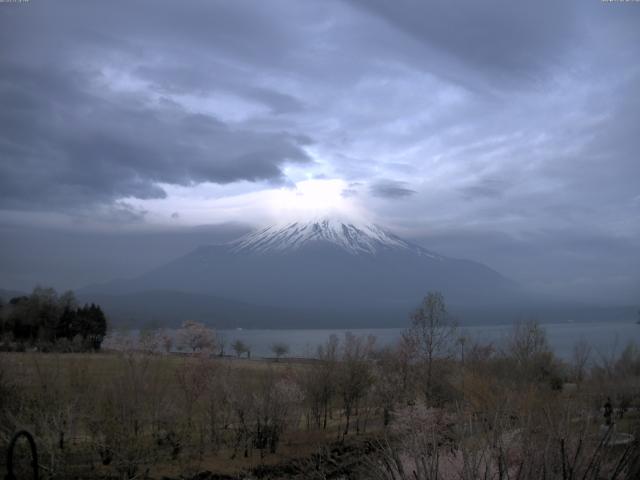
(37, 373)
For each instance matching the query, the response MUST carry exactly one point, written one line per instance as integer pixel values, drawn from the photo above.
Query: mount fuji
(322, 265)
(352, 238)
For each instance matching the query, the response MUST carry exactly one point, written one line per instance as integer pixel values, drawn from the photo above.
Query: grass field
(133, 414)
(72, 392)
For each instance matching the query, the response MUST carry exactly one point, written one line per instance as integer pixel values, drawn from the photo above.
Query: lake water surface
(605, 339)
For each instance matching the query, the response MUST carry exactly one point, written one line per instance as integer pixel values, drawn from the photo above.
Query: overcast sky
(506, 132)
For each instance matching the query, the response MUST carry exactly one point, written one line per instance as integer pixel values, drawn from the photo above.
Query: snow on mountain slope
(355, 238)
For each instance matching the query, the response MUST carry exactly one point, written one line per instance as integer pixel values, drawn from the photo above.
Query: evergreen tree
(44, 315)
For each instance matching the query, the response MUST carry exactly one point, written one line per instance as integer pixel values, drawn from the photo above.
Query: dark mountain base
(171, 309)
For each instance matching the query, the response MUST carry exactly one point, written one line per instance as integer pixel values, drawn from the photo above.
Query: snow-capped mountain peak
(353, 237)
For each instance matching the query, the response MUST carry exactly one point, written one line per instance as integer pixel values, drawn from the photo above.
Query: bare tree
(318, 383)
(628, 364)
(533, 356)
(421, 441)
(149, 340)
(240, 347)
(580, 359)
(193, 377)
(431, 334)
(393, 379)
(221, 344)
(528, 339)
(196, 336)
(280, 349)
(124, 412)
(166, 341)
(217, 403)
(355, 375)
(272, 410)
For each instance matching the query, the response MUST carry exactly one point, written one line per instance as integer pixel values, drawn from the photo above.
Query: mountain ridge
(322, 263)
(339, 275)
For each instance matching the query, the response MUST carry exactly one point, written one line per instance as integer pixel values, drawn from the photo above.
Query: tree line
(49, 321)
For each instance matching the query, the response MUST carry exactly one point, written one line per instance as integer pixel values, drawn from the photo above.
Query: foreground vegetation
(433, 406)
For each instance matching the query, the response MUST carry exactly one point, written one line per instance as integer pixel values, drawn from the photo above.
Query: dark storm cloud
(63, 143)
(391, 189)
(187, 79)
(69, 138)
(123, 212)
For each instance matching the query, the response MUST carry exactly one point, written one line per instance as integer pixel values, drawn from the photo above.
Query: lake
(605, 339)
